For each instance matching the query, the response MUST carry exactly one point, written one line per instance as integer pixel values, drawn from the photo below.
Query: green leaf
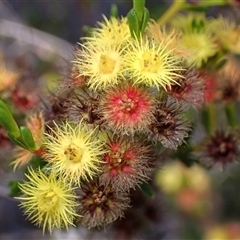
(145, 20)
(27, 138)
(7, 120)
(198, 25)
(14, 188)
(147, 189)
(37, 162)
(133, 23)
(220, 64)
(138, 6)
(17, 141)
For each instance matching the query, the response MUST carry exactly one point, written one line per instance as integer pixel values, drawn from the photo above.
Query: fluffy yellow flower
(22, 156)
(102, 64)
(151, 63)
(202, 46)
(196, 37)
(229, 34)
(169, 38)
(47, 200)
(73, 152)
(112, 31)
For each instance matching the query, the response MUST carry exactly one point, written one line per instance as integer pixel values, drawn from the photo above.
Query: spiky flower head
(7, 77)
(85, 104)
(127, 108)
(101, 205)
(197, 36)
(48, 201)
(55, 108)
(228, 33)
(35, 124)
(227, 92)
(170, 39)
(102, 64)
(151, 63)
(170, 126)
(227, 87)
(72, 79)
(220, 149)
(111, 31)
(203, 46)
(25, 93)
(126, 162)
(189, 89)
(73, 152)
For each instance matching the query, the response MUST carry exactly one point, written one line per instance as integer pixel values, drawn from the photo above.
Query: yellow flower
(73, 152)
(112, 31)
(22, 156)
(202, 45)
(229, 34)
(47, 200)
(169, 38)
(151, 63)
(102, 64)
(196, 38)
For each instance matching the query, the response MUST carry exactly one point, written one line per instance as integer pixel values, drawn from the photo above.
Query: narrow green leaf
(37, 162)
(138, 6)
(145, 20)
(17, 141)
(133, 23)
(27, 137)
(147, 189)
(8, 122)
(220, 64)
(14, 188)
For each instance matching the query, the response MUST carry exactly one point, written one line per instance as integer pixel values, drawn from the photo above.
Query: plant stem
(209, 118)
(175, 7)
(231, 115)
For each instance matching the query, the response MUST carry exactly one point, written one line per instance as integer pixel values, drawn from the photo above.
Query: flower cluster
(100, 132)
(125, 98)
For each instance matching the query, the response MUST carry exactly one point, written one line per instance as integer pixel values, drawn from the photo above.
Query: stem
(204, 4)
(231, 114)
(212, 117)
(175, 7)
(209, 118)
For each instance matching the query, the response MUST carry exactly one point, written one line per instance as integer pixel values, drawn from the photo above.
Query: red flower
(127, 108)
(126, 163)
(189, 89)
